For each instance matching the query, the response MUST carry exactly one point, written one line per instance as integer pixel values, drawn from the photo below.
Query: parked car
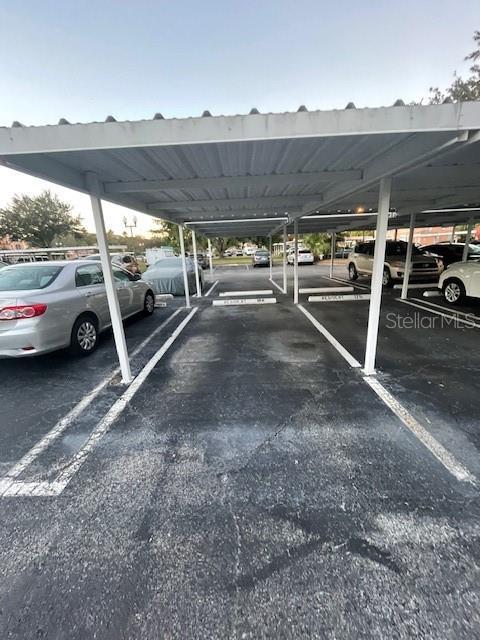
(424, 267)
(125, 260)
(305, 256)
(249, 251)
(228, 253)
(238, 253)
(459, 281)
(342, 252)
(166, 276)
(261, 258)
(53, 305)
(201, 259)
(448, 253)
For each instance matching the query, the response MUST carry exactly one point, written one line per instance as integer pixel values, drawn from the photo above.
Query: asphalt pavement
(253, 487)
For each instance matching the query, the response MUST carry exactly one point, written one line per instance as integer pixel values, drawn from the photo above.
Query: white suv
(460, 280)
(305, 256)
(360, 263)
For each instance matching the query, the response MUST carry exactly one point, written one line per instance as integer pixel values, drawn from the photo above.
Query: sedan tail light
(22, 312)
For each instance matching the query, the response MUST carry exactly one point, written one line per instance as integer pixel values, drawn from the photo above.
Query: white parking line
(438, 450)
(277, 285)
(450, 310)
(333, 341)
(422, 305)
(116, 409)
(10, 487)
(211, 288)
(64, 422)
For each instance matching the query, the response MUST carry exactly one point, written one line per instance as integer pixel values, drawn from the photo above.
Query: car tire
(454, 291)
(84, 337)
(352, 272)
(148, 304)
(387, 279)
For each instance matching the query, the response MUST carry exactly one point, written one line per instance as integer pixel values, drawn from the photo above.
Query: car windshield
(24, 278)
(304, 251)
(400, 249)
(474, 248)
(261, 253)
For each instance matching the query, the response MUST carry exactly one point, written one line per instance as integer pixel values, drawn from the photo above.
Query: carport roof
(246, 174)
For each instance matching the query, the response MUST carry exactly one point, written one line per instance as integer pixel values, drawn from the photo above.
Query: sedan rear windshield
(304, 251)
(24, 278)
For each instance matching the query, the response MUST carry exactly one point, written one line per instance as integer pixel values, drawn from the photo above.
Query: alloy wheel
(87, 335)
(452, 292)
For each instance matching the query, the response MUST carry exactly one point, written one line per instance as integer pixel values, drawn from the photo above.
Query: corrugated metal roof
(263, 165)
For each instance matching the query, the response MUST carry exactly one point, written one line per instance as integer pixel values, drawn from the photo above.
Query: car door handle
(89, 294)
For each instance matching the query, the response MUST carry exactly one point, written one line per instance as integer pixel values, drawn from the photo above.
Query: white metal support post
(408, 258)
(333, 246)
(184, 265)
(452, 239)
(295, 262)
(284, 259)
(197, 277)
(93, 186)
(210, 258)
(271, 258)
(377, 275)
(467, 240)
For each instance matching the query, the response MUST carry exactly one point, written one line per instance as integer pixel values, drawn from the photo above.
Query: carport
(256, 174)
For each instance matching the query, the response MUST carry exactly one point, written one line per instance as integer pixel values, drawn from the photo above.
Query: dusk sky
(84, 60)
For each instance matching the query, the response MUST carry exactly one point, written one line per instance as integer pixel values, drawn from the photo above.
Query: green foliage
(38, 219)
(318, 243)
(460, 89)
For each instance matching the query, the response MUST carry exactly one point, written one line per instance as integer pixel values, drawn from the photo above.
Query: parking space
(254, 485)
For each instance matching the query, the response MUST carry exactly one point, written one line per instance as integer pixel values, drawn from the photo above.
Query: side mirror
(137, 276)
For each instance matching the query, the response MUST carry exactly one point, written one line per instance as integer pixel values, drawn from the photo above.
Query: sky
(84, 60)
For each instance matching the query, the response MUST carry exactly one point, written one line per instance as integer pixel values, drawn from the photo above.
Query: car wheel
(387, 278)
(454, 291)
(352, 272)
(148, 304)
(84, 337)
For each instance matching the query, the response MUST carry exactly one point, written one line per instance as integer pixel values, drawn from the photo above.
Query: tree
(38, 219)
(460, 89)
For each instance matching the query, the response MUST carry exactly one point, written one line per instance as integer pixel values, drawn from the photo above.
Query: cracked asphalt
(255, 487)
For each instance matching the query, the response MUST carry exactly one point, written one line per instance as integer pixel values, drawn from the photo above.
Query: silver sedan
(53, 305)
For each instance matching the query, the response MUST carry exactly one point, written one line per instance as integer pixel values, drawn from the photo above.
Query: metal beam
(184, 267)
(241, 128)
(377, 275)
(224, 182)
(295, 263)
(411, 152)
(110, 284)
(408, 258)
(280, 202)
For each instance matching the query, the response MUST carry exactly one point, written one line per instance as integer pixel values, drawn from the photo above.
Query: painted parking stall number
(340, 298)
(243, 301)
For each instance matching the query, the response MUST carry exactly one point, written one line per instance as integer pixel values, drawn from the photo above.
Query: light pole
(131, 226)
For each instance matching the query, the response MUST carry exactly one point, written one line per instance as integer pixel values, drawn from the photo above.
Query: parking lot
(255, 483)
